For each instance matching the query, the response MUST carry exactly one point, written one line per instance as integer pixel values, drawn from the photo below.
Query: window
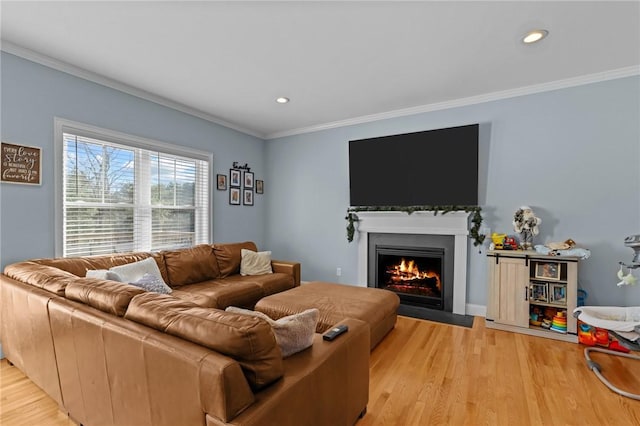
(120, 193)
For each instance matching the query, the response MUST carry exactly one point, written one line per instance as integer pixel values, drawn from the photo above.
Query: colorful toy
(602, 337)
(615, 346)
(559, 323)
(535, 320)
(498, 240)
(591, 336)
(586, 334)
(510, 243)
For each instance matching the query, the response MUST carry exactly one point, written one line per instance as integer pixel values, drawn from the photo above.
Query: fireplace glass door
(415, 274)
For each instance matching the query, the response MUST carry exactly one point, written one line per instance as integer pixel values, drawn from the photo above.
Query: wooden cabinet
(533, 294)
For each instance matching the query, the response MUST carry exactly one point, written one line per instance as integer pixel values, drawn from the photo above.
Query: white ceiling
(339, 62)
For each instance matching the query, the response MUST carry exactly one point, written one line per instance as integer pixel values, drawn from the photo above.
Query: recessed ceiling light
(282, 100)
(535, 35)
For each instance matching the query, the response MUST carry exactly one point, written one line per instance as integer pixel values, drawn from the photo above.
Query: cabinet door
(509, 292)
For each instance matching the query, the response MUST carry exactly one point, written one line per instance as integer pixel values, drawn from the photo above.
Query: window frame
(62, 126)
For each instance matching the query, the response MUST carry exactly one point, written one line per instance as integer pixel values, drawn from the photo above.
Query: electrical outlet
(338, 272)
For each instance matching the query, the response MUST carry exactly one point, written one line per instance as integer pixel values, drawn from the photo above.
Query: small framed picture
(21, 164)
(539, 292)
(547, 270)
(558, 293)
(234, 196)
(247, 200)
(248, 180)
(222, 182)
(234, 178)
(259, 187)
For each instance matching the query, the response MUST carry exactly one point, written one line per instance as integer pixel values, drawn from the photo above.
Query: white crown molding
(56, 64)
(495, 96)
(65, 67)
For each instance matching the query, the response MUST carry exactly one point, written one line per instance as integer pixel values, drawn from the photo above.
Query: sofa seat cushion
(234, 290)
(191, 265)
(248, 340)
(108, 296)
(272, 283)
(229, 256)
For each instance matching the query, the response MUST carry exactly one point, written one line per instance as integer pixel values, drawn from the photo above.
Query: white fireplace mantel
(396, 222)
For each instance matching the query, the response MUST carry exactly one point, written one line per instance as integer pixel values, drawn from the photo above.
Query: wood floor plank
(427, 373)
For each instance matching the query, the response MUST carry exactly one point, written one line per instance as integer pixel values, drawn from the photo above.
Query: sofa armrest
(287, 267)
(26, 336)
(116, 371)
(327, 384)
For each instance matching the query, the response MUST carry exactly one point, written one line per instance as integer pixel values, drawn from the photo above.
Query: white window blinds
(120, 198)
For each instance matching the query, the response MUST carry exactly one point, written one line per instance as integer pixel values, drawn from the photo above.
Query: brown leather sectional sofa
(114, 354)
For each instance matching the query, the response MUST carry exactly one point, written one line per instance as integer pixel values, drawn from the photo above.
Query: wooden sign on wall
(20, 164)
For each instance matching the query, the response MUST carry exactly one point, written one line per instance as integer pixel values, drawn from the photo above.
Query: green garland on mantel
(476, 219)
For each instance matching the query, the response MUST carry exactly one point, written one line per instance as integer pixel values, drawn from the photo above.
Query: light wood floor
(426, 373)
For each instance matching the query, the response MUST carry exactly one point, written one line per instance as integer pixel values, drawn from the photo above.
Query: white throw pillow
(132, 272)
(152, 283)
(294, 333)
(103, 274)
(255, 263)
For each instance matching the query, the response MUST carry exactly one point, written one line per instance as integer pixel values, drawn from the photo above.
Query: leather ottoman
(375, 306)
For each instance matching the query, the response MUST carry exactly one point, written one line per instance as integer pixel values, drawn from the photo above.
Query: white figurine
(526, 223)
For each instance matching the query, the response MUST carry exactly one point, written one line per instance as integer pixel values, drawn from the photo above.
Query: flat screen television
(429, 168)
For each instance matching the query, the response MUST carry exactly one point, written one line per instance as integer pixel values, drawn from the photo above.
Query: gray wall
(571, 154)
(32, 95)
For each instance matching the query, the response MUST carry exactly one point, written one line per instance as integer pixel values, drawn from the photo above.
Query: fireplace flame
(408, 271)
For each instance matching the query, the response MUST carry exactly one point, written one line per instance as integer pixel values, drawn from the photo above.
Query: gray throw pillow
(103, 274)
(152, 283)
(134, 271)
(294, 333)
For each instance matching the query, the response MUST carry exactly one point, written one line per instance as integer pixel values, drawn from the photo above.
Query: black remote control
(335, 332)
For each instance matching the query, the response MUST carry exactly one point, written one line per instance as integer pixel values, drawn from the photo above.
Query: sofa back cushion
(108, 296)
(246, 339)
(229, 256)
(80, 265)
(191, 265)
(39, 275)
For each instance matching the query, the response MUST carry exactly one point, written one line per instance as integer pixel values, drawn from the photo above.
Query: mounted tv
(429, 168)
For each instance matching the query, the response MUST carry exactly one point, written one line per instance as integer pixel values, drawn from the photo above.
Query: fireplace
(418, 268)
(446, 233)
(413, 273)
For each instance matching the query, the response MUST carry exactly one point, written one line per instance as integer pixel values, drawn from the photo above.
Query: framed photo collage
(242, 186)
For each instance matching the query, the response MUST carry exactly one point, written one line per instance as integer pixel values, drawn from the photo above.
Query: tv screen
(430, 168)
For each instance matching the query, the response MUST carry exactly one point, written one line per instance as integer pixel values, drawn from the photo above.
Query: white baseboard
(476, 310)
